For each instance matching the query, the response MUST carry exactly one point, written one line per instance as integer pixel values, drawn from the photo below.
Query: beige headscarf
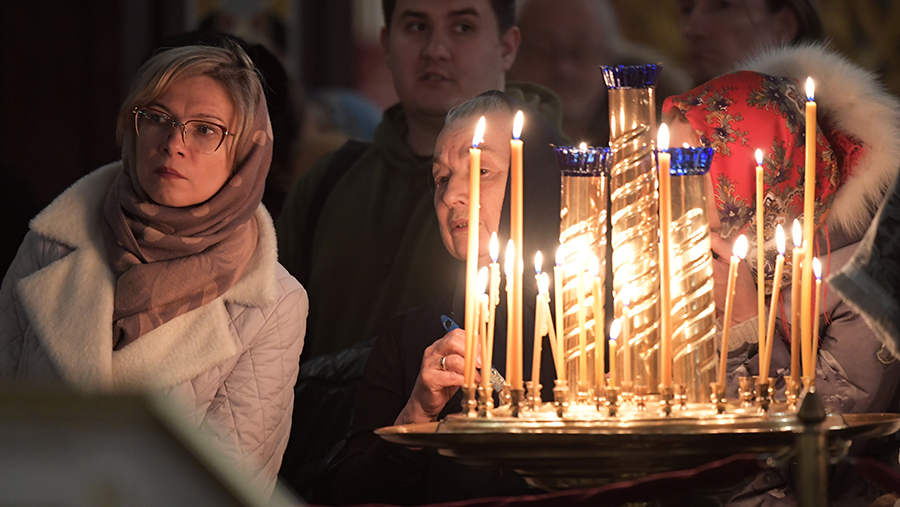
(170, 261)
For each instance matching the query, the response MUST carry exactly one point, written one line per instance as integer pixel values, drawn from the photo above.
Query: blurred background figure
(718, 35)
(564, 43)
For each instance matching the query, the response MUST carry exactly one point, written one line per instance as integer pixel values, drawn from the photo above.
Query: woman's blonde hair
(229, 66)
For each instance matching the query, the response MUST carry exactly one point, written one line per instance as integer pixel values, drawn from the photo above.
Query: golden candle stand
(588, 448)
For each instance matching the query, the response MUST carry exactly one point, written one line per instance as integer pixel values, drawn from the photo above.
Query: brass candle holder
(533, 395)
(763, 395)
(718, 397)
(745, 391)
(561, 397)
(666, 399)
(469, 402)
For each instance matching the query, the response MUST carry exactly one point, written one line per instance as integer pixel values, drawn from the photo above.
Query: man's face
(563, 49)
(451, 178)
(718, 34)
(442, 52)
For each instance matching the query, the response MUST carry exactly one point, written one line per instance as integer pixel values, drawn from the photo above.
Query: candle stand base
(612, 401)
(516, 402)
(469, 403)
(808, 383)
(681, 396)
(485, 402)
(792, 392)
(763, 395)
(584, 392)
(718, 396)
(745, 391)
(640, 398)
(503, 396)
(666, 397)
(628, 393)
(561, 397)
(533, 395)
(598, 397)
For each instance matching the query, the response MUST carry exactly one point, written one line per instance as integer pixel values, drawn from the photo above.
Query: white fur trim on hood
(852, 100)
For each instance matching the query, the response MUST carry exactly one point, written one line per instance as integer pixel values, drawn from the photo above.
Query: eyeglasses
(197, 135)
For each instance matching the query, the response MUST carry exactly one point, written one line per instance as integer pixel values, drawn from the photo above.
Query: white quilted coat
(230, 365)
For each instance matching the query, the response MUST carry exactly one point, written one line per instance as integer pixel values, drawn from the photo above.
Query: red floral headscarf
(738, 113)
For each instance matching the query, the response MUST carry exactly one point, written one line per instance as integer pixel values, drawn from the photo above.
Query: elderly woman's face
(176, 175)
(451, 177)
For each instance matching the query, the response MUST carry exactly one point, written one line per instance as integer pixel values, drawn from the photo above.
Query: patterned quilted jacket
(230, 365)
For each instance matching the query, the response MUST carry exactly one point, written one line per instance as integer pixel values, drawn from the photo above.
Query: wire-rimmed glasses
(199, 136)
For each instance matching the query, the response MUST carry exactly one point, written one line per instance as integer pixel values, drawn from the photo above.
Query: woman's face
(451, 178)
(173, 174)
(720, 33)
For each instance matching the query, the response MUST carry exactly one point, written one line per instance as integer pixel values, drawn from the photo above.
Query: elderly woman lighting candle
(416, 367)
(857, 156)
(159, 273)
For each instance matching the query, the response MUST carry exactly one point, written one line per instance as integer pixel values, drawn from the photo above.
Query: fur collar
(852, 100)
(78, 333)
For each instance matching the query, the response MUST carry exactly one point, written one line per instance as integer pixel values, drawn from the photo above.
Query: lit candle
(472, 253)
(540, 322)
(508, 269)
(544, 288)
(760, 250)
(494, 296)
(809, 199)
(665, 218)
(766, 355)
(558, 275)
(817, 270)
(626, 331)
(515, 144)
(797, 254)
(582, 331)
(483, 317)
(614, 329)
(740, 250)
(599, 324)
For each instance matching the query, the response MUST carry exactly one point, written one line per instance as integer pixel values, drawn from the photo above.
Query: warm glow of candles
(817, 271)
(796, 339)
(541, 321)
(493, 297)
(760, 250)
(515, 144)
(599, 324)
(740, 250)
(558, 275)
(472, 252)
(614, 329)
(482, 321)
(626, 331)
(665, 216)
(766, 355)
(809, 199)
(508, 270)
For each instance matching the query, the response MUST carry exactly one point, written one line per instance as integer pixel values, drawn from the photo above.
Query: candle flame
(544, 283)
(662, 143)
(538, 262)
(817, 268)
(560, 255)
(798, 233)
(582, 146)
(740, 247)
(614, 329)
(594, 266)
(685, 145)
(779, 238)
(495, 247)
(626, 295)
(517, 125)
(482, 280)
(759, 156)
(810, 89)
(479, 133)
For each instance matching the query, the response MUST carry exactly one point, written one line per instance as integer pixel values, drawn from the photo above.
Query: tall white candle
(472, 252)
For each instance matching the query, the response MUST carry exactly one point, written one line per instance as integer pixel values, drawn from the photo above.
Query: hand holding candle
(766, 354)
(740, 250)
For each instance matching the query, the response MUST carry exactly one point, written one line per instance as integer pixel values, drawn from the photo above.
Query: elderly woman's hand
(745, 304)
(440, 376)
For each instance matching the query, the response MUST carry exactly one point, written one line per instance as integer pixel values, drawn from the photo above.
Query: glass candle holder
(582, 235)
(691, 283)
(634, 211)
